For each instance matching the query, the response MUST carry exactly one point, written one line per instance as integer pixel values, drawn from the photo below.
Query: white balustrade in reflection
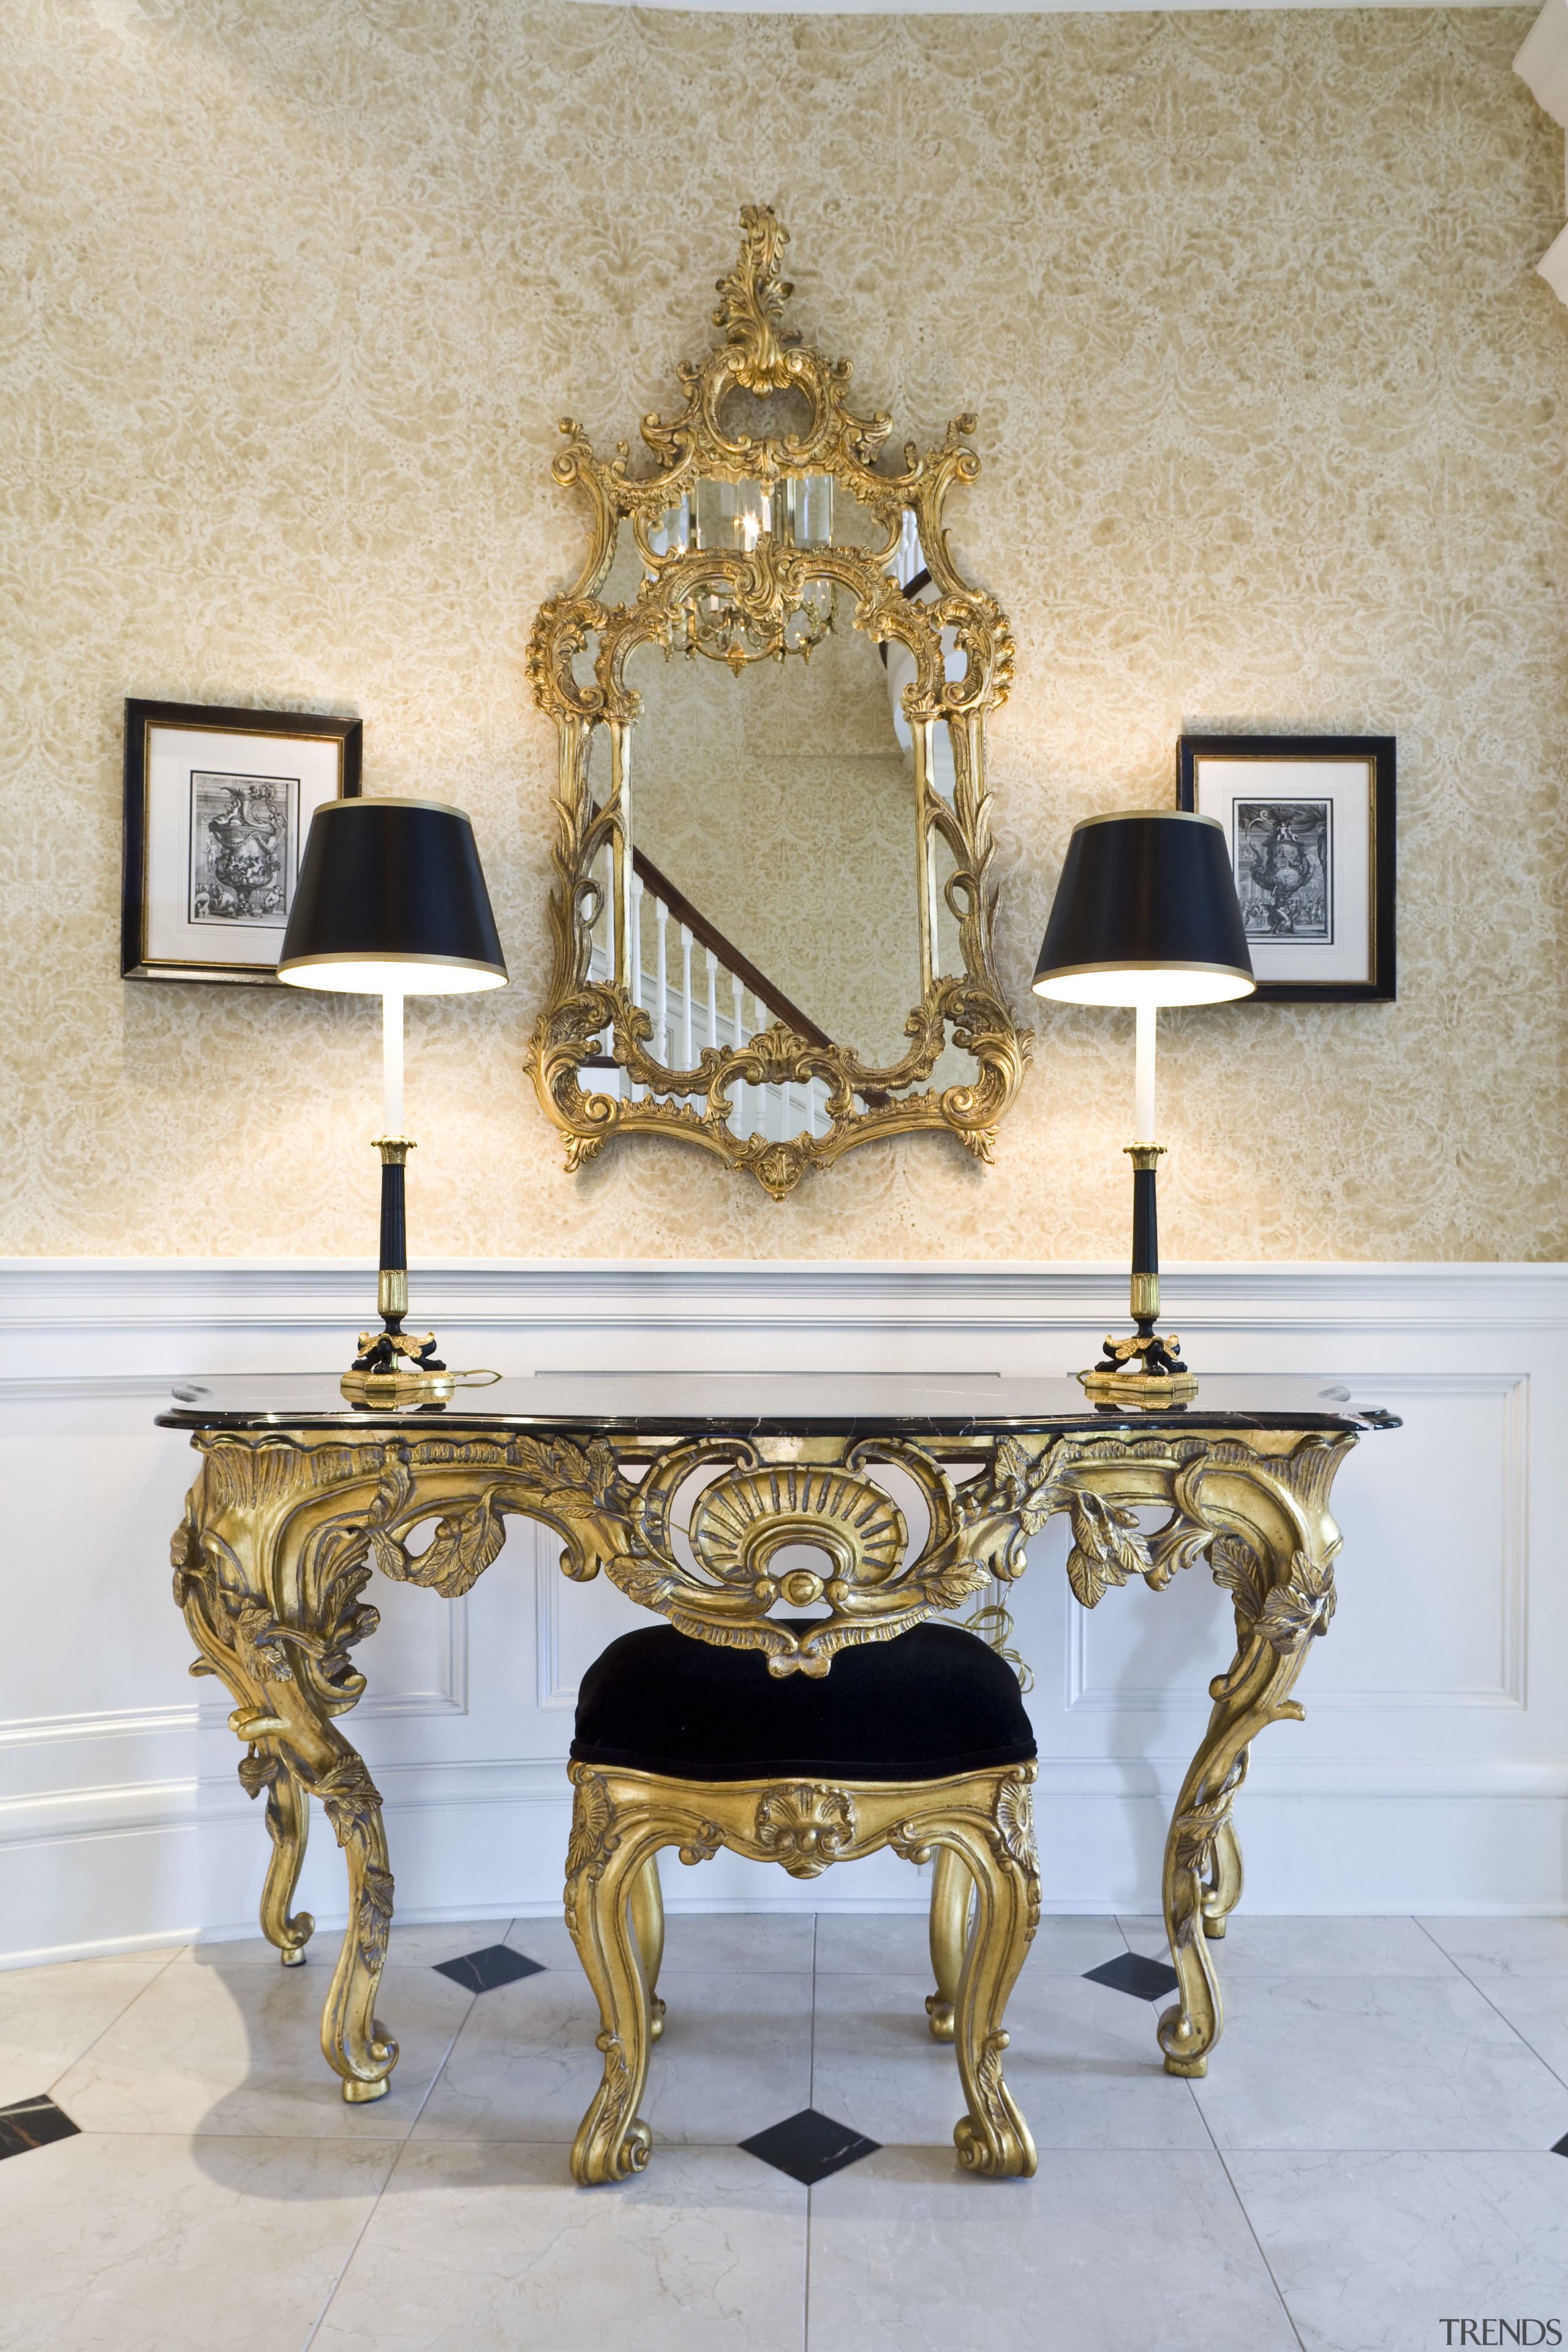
(690, 1012)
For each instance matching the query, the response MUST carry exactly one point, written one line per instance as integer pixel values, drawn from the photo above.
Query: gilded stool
(919, 1743)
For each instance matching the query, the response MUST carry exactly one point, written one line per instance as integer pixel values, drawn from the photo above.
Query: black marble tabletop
(800, 1403)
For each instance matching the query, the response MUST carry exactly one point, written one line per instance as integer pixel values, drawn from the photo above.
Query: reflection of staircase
(702, 1001)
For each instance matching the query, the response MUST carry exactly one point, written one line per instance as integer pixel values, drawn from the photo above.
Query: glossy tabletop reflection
(870, 1404)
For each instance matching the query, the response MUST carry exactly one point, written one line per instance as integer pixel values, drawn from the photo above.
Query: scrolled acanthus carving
(768, 584)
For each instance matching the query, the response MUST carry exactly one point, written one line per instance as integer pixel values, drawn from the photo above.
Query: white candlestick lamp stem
(1143, 1080)
(392, 1003)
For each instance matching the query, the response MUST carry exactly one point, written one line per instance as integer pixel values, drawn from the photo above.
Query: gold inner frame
(768, 585)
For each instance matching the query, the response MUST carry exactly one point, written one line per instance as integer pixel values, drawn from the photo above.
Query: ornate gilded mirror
(773, 924)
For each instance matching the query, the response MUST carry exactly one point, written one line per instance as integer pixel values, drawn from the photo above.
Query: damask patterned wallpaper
(1271, 403)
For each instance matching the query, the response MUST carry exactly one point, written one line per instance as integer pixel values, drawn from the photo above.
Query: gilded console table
(681, 1488)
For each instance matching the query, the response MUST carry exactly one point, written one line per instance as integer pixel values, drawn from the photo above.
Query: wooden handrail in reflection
(728, 955)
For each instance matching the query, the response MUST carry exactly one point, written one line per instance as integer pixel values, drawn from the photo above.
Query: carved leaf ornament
(769, 584)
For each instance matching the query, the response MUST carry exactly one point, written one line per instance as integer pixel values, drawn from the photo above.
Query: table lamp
(391, 902)
(1145, 914)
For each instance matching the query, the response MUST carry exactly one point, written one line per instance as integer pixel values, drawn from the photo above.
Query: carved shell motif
(743, 1519)
(806, 1827)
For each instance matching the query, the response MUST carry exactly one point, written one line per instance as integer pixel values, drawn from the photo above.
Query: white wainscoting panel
(1431, 1772)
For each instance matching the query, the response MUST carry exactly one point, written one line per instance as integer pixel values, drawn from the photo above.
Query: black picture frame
(150, 828)
(1375, 981)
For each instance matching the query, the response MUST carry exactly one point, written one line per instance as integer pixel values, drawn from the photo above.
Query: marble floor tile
(772, 1940)
(1504, 1948)
(419, 1946)
(1413, 2063)
(1537, 2008)
(49, 2016)
(1099, 2250)
(545, 1940)
(427, 1941)
(1371, 2252)
(161, 1953)
(858, 1943)
(491, 2249)
(734, 2056)
(160, 2243)
(1083, 2065)
(1262, 1946)
(238, 2051)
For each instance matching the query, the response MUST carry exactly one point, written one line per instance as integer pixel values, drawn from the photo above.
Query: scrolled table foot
(1184, 2042)
(354, 2043)
(359, 2095)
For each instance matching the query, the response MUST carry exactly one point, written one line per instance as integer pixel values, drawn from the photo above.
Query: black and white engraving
(243, 847)
(1283, 854)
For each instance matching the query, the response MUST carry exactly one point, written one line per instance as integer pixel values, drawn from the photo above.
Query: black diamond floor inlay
(1131, 1972)
(808, 2146)
(33, 2123)
(1560, 2146)
(498, 1963)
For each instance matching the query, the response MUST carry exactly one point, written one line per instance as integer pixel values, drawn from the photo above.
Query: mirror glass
(775, 805)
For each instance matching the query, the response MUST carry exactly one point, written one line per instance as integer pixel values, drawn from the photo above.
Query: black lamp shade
(1145, 912)
(390, 897)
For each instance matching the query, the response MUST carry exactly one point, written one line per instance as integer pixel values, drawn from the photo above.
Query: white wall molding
(1429, 1772)
(248, 1306)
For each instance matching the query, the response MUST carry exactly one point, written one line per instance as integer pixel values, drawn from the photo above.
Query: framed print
(217, 807)
(1310, 824)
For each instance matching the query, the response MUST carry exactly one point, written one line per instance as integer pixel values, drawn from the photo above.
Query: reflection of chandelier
(738, 515)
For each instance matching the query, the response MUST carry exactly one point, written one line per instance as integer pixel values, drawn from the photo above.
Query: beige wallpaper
(1271, 406)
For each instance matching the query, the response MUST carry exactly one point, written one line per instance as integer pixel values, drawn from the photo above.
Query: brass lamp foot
(1138, 1388)
(398, 1367)
(1159, 1379)
(398, 1387)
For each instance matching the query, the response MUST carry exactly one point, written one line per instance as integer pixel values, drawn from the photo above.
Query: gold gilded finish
(647, 1921)
(1149, 1391)
(1258, 1508)
(282, 1530)
(763, 591)
(620, 1821)
(952, 1892)
(269, 1568)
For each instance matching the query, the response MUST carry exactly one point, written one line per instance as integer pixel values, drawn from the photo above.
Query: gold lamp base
(1146, 1389)
(398, 1387)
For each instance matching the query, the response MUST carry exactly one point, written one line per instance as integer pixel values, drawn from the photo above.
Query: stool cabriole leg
(951, 1893)
(993, 2138)
(647, 1923)
(604, 1861)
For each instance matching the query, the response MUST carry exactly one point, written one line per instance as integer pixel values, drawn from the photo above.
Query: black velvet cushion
(933, 1702)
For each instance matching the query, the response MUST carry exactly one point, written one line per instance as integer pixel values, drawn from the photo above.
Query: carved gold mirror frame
(766, 587)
